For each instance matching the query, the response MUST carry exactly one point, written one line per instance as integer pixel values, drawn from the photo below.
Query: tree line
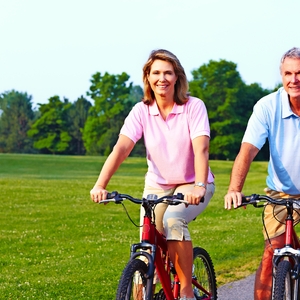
(91, 127)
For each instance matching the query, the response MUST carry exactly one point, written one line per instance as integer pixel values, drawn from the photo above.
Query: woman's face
(162, 78)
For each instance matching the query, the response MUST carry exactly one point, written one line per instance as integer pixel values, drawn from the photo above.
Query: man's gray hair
(292, 53)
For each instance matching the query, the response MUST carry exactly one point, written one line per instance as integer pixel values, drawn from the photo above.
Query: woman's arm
(119, 153)
(201, 152)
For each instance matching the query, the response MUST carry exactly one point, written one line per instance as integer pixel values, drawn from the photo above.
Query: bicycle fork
(292, 255)
(154, 259)
(137, 253)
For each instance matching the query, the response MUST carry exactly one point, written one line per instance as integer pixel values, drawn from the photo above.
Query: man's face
(290, 72)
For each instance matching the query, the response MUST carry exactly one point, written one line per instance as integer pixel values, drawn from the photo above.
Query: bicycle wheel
(283, 282)
(133, 284)
(204, 274)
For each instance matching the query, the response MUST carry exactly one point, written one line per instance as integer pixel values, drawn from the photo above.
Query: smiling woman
(166, 118)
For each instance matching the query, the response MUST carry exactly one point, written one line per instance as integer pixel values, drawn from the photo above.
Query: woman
(176, 134)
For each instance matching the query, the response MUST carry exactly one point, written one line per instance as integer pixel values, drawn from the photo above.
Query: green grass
(56, 243)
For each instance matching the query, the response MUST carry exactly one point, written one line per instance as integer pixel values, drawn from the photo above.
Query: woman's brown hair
(181, 86)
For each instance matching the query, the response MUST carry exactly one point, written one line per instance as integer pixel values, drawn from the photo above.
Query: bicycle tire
(283, 287)
(128, 288)
(204, 273)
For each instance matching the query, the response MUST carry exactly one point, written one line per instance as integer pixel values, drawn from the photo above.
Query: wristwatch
(200, 184)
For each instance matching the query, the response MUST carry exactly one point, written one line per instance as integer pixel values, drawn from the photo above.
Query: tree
(218, 85)
(16, 117)
(77, 115)
(50, 131)
(229, 102)
(112, 102)
(136, 95)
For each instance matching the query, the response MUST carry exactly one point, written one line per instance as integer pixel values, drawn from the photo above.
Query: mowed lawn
(55, 243)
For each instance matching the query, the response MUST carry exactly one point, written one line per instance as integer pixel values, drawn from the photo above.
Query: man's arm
(239, 173)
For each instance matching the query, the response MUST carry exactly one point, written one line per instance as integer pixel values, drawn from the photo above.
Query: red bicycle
(151, 254)
(286, 260)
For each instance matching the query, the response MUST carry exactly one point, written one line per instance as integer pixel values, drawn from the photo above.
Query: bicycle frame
(291, 239)
(155, 243)
(291, 249)
(154, 247)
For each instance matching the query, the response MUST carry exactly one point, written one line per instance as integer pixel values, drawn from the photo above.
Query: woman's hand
(98, 193)
(194, 197)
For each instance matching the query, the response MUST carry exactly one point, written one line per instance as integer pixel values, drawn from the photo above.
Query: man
(275, 117)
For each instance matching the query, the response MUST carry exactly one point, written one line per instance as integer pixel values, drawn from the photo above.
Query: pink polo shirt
(168, 143)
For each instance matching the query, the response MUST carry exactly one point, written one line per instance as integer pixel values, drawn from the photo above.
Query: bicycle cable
(126, 211)
(279, 221)
(264, 225)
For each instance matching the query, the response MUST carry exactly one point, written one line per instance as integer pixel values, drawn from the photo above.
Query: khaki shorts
(172, 221)
(275, 215)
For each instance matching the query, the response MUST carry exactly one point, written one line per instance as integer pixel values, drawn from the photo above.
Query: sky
(53, 47)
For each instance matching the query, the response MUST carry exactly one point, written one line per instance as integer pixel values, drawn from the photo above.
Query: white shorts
(172, 221)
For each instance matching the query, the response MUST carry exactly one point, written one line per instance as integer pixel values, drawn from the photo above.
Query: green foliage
(50, 131)
(83, 128)
(111, 105)
(16, 117)
(77, 115)
(135, 96)
(229, 102)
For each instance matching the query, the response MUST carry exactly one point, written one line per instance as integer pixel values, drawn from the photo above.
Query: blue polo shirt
(273, 119)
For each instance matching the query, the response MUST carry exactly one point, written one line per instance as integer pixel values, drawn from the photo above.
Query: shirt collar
(153, 109)
(285, 103)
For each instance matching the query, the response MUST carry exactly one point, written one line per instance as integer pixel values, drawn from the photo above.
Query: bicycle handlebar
(153, 199)
(255, 199)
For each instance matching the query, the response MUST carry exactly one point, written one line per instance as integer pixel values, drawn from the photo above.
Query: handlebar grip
(252, 199)
(245, 199)
(180, 196)
(111, 195)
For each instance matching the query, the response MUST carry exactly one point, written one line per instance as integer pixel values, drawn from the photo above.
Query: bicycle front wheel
(133, 283)
(283, 283)
(204, 277)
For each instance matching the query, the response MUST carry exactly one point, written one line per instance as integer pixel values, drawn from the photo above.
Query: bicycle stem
(146, 229)
(289, 226)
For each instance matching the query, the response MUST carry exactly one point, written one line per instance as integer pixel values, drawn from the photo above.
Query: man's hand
(98, 193)
(233, 198)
